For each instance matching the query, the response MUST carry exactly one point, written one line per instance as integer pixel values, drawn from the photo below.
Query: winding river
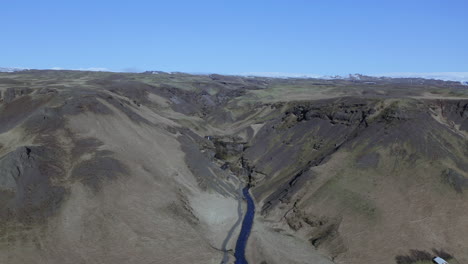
(246, 228)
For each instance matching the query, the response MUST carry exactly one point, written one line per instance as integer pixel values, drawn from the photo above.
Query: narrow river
(246, 228)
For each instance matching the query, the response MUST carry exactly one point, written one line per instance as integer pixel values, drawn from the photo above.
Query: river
(247, 223)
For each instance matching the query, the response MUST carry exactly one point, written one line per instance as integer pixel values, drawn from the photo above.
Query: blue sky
(322, 37)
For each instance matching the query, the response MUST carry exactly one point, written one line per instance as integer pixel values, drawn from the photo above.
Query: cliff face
(120, 168)
(365, 179)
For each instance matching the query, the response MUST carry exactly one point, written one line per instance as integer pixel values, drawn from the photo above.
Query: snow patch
(97, 69)
(444, 76)
(11, 69)
(283, 75)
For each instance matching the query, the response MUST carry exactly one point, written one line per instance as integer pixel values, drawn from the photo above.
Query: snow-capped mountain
(9, 69)
(461, 77)
(444, 76)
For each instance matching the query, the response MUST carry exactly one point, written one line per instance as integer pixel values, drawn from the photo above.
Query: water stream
(246, 228)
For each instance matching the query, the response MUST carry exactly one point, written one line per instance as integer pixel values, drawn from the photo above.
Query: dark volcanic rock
(226, 150)
(12, 93)
(456, 111)
(28, 194)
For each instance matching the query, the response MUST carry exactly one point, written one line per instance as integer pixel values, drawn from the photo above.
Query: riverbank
(224, 247)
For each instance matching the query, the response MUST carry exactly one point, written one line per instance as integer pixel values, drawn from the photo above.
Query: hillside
(100, 167)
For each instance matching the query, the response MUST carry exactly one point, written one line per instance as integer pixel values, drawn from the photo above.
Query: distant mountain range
(444, 76)
(8, 69)
(461, 77)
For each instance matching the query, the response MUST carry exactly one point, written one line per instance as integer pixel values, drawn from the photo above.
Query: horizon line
(444, 76)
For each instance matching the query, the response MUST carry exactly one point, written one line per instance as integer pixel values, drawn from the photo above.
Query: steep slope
(364, 180)
(89, 175)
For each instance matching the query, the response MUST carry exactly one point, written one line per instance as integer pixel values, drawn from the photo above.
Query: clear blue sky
(237, 36)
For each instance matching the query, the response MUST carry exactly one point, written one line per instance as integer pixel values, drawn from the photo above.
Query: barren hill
(100, 167)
